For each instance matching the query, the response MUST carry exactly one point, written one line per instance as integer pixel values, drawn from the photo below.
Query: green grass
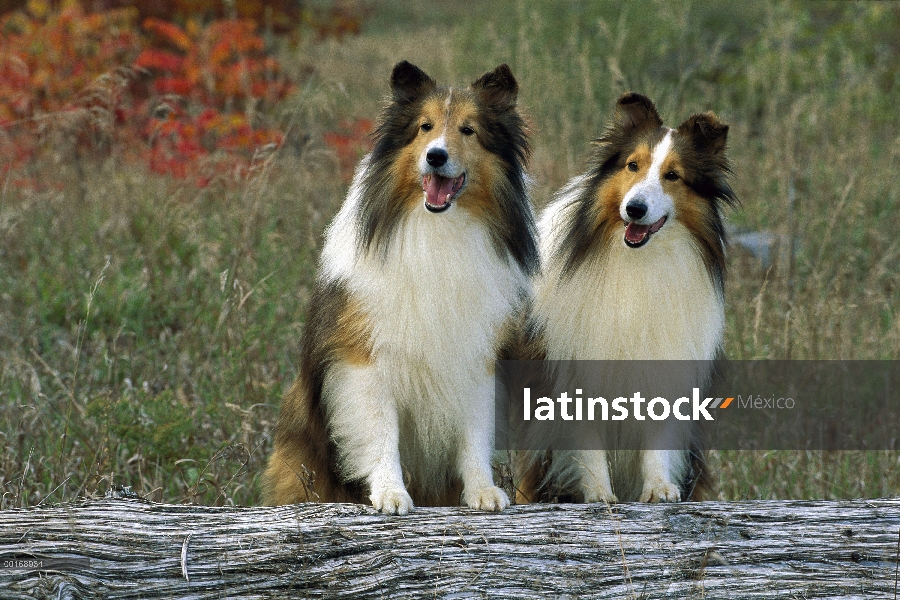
(148, 329)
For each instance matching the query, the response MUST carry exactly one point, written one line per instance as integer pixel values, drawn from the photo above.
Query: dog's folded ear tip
(409, 82)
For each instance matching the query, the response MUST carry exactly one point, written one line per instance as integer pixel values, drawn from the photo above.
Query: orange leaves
(173, 85)
(182, 109)
(51, 63)
(338, 20)
(185, 99)
(215, 65)
(168, 33)
(48, 58)
(221, 65)
(231, 39)
(350, 143)
(211, 144)
(159, 60)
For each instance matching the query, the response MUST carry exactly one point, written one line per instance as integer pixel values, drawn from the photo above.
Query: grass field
(148, 328)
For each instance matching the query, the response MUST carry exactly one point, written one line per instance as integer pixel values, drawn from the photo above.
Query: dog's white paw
(392, 501)
(486, 498)
(660, 491)
(600, 494)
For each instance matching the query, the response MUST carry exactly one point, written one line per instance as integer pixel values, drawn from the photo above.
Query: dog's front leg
(476, 448)
(595, 483)
(363, 419)
(659, 468)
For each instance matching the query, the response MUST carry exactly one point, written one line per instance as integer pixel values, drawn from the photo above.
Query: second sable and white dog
(633, 253)
(424, 279)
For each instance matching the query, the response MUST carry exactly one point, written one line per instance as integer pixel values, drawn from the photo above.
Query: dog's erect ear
(409, 82)
(634, 111)
(706, 131)
(497, 88)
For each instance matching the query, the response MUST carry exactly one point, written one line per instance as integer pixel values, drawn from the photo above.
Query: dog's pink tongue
(437, 190)
(634, 233)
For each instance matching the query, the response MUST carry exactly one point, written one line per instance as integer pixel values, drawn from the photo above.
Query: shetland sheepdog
(424, 279)
(633, 255)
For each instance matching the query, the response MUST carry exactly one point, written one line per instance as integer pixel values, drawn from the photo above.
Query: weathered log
(759, 549)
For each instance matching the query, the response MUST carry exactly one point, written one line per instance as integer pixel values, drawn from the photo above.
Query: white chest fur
(655, 302)
(436, 302)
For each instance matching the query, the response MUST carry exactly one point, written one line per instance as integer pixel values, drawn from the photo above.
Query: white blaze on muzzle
(646, 206)
(442, 178)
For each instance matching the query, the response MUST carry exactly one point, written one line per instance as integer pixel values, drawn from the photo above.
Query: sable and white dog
(633, 253)
(423, 282)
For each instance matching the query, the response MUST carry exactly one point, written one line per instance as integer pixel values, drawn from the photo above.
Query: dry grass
(148, 329)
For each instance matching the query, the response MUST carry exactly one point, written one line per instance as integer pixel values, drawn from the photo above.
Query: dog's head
(455, 137)
(439, 149)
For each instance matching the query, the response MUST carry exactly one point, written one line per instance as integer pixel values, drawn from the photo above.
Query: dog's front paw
(660, 491)
(600, 495)
(392, 501)
(486, 498)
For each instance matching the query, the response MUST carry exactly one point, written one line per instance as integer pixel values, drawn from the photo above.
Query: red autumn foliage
(44, 61)
(183, 146)
(351, 141)
(342, 17)
(168, 32)
(184, 101)
(222, 63)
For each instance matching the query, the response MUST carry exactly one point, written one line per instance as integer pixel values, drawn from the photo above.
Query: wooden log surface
(756, 549)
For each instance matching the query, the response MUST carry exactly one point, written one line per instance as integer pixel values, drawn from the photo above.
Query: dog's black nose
(436, 157)
(636, 209)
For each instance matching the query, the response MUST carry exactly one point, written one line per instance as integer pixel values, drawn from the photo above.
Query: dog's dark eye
(466, 130)
(632, 166)
(671, 176)
(427, 127)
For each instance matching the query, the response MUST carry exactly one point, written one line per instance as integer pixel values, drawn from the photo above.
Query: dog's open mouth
(638, 235)
(440, 191)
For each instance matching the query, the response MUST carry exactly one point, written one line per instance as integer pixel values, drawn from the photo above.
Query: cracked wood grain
(753, 550)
